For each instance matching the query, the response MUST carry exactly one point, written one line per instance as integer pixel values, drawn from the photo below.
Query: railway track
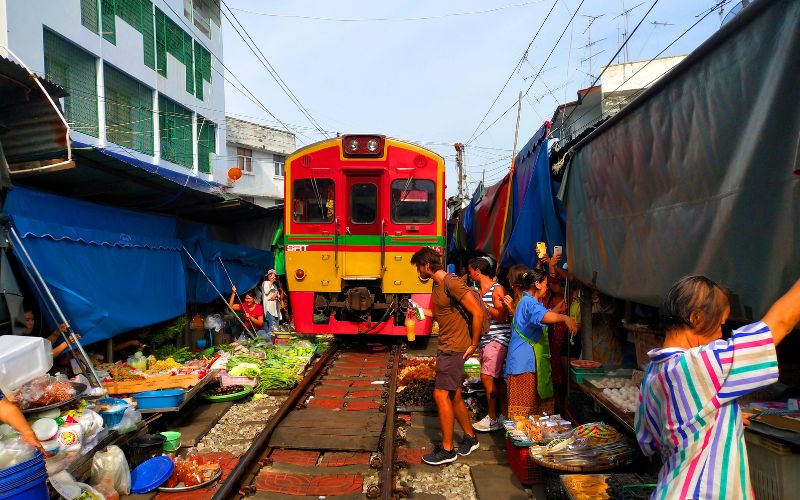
(340, 417)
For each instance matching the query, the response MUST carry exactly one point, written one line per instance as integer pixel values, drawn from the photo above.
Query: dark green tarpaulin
(697, 174)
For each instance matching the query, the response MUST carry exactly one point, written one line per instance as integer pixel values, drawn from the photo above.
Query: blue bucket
(34, 490)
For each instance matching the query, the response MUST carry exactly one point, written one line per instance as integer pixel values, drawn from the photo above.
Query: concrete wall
(648, 72)
(265, 188)
(27, 19)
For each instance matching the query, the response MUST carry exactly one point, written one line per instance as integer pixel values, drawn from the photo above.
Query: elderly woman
(687, 408)
(530, 389)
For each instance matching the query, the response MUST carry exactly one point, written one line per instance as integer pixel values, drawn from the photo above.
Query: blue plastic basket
(112, 418)
(165, 398)
(27, 480)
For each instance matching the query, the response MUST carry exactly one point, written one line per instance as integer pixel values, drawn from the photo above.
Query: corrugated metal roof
(30, 128)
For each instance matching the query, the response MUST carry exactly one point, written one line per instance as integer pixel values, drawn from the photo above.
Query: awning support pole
(219, 293)
(232, 283)
(52, 299)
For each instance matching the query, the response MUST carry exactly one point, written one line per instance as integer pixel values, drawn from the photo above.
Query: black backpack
(463, 311)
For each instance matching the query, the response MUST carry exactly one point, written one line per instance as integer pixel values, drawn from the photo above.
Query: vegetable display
(274, 367)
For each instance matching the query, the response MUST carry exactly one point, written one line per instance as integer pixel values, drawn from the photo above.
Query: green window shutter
(148, 33)
(202, 68)
(74, 69)
(188, 61)
(176, 132)
(108, 16)
(206, 143)
(90, 13)
(129, 111)
(161, 42)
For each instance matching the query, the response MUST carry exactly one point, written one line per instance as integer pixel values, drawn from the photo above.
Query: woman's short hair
(526, 280)
(427, 255)
(694, 294)
(483, 265)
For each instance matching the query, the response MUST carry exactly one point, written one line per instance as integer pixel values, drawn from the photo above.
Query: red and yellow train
(357, 208)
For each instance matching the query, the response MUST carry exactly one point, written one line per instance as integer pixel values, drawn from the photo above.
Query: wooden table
(623, 417)
(191, 393)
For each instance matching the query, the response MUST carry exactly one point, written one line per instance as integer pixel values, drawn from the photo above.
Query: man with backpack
(462, 320)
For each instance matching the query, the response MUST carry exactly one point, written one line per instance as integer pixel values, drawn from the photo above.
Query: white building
(619, 85)
(260, 152)
(138, 72)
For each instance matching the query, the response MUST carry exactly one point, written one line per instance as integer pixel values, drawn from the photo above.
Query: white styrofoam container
(22, 359)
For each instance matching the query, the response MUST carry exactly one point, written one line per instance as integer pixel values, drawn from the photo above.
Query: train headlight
(299, 275)
(363, 146)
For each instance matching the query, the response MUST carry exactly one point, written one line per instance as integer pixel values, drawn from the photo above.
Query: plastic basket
(141, 448)
(773, 468)
(581, 374)
(553, 487)
(645, 340)
(112, 418)
(526, 471)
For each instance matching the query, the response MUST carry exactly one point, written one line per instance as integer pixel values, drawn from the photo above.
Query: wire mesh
(74, 69)
(175, 126)
(129, 111)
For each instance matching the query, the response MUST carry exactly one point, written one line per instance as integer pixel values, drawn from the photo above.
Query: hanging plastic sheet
(487, 227)
(246, 267)
(696, 175)
(111, 270)
(537, 215)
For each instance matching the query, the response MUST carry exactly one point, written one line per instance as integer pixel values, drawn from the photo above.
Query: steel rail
(386, 476)
(250, 463)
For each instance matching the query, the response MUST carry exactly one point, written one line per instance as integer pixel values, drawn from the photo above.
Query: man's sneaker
(439, 456)
(487, 424)
(468, 445)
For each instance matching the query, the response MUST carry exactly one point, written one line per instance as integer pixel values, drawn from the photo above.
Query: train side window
(363, 203)
(413, 201)
(313, 200)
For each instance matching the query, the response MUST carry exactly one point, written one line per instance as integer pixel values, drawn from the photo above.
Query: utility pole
(460, 164)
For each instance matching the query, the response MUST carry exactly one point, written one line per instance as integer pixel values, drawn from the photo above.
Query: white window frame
(243, 161)
(281, 169)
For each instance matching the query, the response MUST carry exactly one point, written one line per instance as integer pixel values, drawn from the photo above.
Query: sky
(429, 72)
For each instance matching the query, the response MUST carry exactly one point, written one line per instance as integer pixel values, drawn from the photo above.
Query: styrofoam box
(22, 359)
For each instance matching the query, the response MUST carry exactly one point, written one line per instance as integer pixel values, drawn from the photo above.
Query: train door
(363, 225)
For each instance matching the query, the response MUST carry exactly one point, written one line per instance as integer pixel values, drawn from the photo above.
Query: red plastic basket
(527, 472)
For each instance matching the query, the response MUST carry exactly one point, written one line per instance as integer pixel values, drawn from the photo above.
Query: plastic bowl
(113, 417)
(172, 440)
(155, 400)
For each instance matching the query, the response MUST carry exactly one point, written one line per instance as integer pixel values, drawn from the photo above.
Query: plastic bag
(44, 391)
(110, 471)
(130, 419)
(14, 451)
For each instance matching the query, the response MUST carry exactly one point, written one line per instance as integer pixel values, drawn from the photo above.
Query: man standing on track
(458, 339)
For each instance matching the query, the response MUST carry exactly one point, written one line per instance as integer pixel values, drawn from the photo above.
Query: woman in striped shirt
(493, 344)
(687, 407)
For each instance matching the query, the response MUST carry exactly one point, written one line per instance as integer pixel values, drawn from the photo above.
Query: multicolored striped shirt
(498, 332)
(688, 413)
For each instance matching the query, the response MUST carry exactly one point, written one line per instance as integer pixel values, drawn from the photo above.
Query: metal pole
(229, 279)
(55, 304)
(219, 293)
(42, 296)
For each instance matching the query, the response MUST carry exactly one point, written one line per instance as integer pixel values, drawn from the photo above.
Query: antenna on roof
(625, 13)
(589, 42)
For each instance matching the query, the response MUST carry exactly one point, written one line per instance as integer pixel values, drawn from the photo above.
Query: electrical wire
(538, 74)
(390, 19)
(254, 48)
(704, 14)
(513, 72)
(622, 46)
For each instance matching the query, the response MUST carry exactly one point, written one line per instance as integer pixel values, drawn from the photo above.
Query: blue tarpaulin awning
(110, 270)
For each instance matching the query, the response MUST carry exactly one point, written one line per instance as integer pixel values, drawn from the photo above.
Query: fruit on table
(226, 390)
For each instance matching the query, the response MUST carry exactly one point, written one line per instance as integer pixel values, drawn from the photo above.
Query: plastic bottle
(411, 327)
